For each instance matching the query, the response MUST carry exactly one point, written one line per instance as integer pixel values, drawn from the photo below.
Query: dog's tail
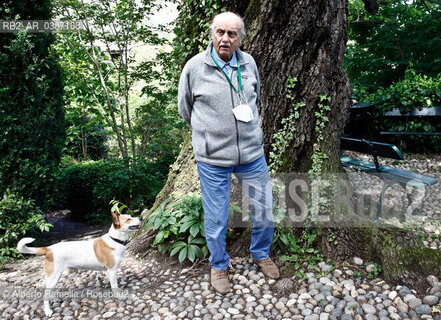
(21, 246)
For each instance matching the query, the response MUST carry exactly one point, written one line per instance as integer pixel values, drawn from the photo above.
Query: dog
(103, 253)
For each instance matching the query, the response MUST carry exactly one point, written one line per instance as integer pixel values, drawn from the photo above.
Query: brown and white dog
(103, 253)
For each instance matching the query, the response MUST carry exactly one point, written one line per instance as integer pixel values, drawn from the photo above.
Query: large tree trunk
(306, 40)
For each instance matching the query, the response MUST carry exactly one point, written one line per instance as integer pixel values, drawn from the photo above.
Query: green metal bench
(431, 114)
(388, 174)
(427, 113)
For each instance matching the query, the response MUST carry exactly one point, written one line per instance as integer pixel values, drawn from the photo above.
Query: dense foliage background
(32, 123)
(404, 34)
(394, 61)
(32, 110)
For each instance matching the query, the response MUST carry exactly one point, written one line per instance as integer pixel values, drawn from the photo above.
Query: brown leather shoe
(268, 268)
(220, 281)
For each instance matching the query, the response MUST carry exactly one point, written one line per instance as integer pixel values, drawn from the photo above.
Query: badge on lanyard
(243, 111)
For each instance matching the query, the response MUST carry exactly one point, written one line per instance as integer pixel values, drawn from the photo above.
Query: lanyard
(239, 77)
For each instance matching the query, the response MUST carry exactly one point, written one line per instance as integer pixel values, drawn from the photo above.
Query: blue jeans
(215, 187)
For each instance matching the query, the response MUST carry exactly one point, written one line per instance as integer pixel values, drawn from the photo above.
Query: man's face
(226, 36)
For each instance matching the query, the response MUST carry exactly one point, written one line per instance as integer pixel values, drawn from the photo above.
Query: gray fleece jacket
(206, 100)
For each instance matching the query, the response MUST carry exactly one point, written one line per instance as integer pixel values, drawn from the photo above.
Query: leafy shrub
(31, 106)
(414, 91)
(382, 45)
(87, 187)
(180, 227)
(17, 217)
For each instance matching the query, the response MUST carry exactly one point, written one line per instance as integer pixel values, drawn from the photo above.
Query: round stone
(409, 297)
(392, 295)
(430, 300)
(432, 279)
(290, 303)
(402, 307)
(404, 291)
(108, 315)
(326, 288)
(284, 285)
(414, 303)
(383, 313)
(326, 267)
(324, 316)
(233, 311)
(423, 309)
(306, 312)
(329, 308)
(279, 305)
(369, 308)
(305, 296)
(337, 312)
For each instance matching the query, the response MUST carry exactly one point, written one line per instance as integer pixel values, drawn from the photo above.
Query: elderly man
(219, 91)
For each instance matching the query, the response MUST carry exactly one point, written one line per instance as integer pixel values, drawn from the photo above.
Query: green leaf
(164, 203)
(178, 244)
(157, 223)
(161, 236)
(186, 225)
(198, 241)
(183, 254)
(171, 220)
(192, 253)
(194, 230)
(187, 219)
(175, 250)
(198, 252)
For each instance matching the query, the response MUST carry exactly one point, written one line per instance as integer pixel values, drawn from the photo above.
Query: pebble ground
(159, 293)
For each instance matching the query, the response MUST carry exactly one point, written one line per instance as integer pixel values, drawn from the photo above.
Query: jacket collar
(222, 63)
(209, 60)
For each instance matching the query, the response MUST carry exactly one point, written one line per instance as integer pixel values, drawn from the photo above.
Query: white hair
(242, 32)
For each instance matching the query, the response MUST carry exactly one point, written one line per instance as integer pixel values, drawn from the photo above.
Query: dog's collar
(120, 241)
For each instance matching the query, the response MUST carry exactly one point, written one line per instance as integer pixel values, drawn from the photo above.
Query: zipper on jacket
(237, 127)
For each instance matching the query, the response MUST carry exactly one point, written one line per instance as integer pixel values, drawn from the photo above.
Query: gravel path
(396, 201)
(159, 291)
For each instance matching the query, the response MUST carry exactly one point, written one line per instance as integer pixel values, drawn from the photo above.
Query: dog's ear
(115, 218)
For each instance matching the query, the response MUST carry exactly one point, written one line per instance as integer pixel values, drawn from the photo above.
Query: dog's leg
(51, 282)
(111, 273)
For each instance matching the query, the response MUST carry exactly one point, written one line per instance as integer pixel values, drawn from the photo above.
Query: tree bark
(302, 40)
(306, 40)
